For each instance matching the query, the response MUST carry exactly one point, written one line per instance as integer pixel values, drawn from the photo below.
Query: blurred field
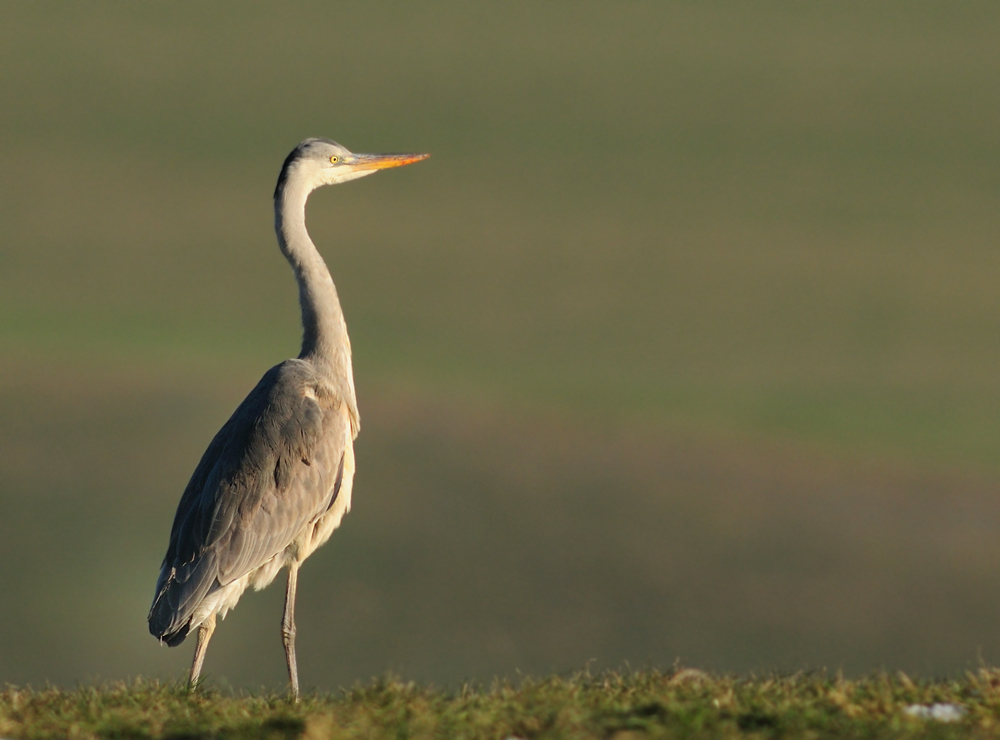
(683, 343)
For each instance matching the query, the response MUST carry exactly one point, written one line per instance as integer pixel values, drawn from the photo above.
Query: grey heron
(276, 480)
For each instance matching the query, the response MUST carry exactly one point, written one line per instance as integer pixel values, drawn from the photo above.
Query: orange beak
(382, 161)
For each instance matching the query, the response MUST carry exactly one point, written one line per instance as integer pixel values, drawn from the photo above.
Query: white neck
(324, 337)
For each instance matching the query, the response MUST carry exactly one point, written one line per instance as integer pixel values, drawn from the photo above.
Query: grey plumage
(276, 465)
(276, 480)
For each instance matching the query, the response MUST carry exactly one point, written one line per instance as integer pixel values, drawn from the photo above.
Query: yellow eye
(334, 159)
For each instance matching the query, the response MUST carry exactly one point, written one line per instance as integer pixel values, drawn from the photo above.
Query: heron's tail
(170, 639)
(164, 624)
(174, 604)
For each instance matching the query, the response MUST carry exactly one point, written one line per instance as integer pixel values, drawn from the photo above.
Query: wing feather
(272, 469)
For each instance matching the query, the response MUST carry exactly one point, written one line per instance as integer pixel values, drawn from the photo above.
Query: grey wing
(273, 468)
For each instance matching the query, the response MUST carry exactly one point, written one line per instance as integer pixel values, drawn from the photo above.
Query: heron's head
(318, 162)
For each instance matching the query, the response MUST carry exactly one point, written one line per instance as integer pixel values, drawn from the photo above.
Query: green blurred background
(683, 344)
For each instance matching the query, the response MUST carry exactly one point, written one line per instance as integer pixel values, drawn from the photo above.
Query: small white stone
(936, 712)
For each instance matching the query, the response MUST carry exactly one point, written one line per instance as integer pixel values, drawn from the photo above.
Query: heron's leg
(204, 635)
(288, 629)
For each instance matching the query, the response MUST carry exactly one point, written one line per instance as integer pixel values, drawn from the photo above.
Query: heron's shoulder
(299, 379)
(290, 372)
(296, 391)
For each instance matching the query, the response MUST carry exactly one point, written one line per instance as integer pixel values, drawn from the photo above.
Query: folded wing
(273, 468)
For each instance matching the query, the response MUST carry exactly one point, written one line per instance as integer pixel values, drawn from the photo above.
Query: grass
(623, 706)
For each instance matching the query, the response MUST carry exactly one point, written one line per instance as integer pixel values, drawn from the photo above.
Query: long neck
(324, 335)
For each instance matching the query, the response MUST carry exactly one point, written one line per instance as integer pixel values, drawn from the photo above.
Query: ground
(682, 702)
